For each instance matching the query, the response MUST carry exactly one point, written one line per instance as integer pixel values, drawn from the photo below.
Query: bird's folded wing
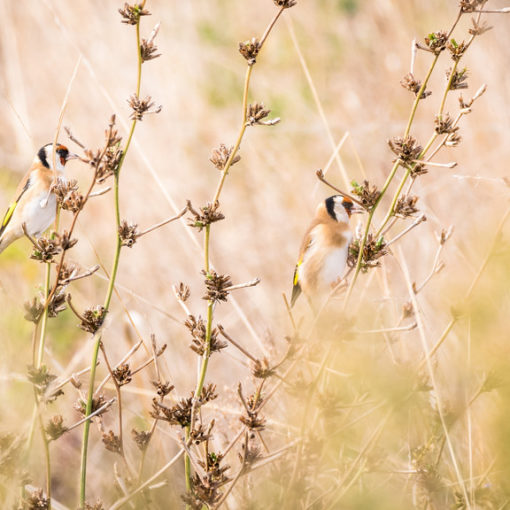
(12, 207)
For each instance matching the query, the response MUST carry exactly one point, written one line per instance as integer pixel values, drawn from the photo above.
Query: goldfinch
(323, 255)
(35, 205)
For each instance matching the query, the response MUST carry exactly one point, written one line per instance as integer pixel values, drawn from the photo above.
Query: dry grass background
(356, 52)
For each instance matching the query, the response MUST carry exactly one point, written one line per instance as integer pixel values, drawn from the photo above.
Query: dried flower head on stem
(131, 13)
(221, 155)
(406, 148)
(148, 48)
(207, 215)
(141, 106)
(249, 50)
(410, 83)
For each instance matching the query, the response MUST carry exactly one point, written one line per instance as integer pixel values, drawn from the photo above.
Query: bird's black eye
(348, 205)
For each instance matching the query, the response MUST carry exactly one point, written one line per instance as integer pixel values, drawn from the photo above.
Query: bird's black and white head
(340, 208)
(62, 155)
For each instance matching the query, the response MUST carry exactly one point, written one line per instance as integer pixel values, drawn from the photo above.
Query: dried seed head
(458, 80)
(141, 438)
(372, 252)
(57, 303)
(253, 421)
(179, 414)
(453, 140)
(141, 106)
(105, 161)
(436, 41)
(217, 286)
(98, 505)
(406, 206)
(34, 310)
(444, 124)
(249, 50)
(255, 113)
(109, 164)
(148, 48)
(41, 378)
(205, 491)
(163, 388)
(367, 194)
(67, 272)
(56, 427)
(207, 215)
(417, 169)
(262, 369)
(470, 5)
(93, 319)
(479, 28)
(122, 374)
(131, 13)
(97, 402)
(66, 242)
(199, 434)
(67, 195)
(410, 83)
(250, 456)
(406, 149)
(183, 292)
(456, 50)
(221, 155)
(198, 332)
(36, 501)
(112, 442)
(45, 248)
(128, 232)
(286, 4)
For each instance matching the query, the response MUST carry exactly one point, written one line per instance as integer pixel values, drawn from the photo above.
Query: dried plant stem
(430, 370)
(397, 163)
(210, 304)
(144, 485)
(46, 445)
(306, 420)
(433, 138)
(37, 405)
(162, 223)
(454, 319)
(111, 285)
(44, 318)
(240, 136)
(119, 406)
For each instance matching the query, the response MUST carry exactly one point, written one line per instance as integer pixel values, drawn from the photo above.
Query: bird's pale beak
(357, 209)
(71, 155)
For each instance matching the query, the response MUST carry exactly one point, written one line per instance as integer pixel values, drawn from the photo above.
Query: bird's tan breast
(324, 259)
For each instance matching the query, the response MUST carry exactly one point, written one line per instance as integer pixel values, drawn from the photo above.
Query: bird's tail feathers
(296, 291)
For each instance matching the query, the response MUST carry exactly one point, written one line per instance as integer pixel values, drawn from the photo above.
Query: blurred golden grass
(356, 53)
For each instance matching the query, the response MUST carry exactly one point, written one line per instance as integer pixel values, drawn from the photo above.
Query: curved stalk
(111, 285)
(389, 179)
(210, 305)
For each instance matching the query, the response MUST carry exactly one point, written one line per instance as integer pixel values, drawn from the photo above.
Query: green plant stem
(210, 304)
(389, 179)
(111, 285)
(228, 164)
(46, 444)
(44, 319)
(423, 152)
(206, 248)
(394, 201)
